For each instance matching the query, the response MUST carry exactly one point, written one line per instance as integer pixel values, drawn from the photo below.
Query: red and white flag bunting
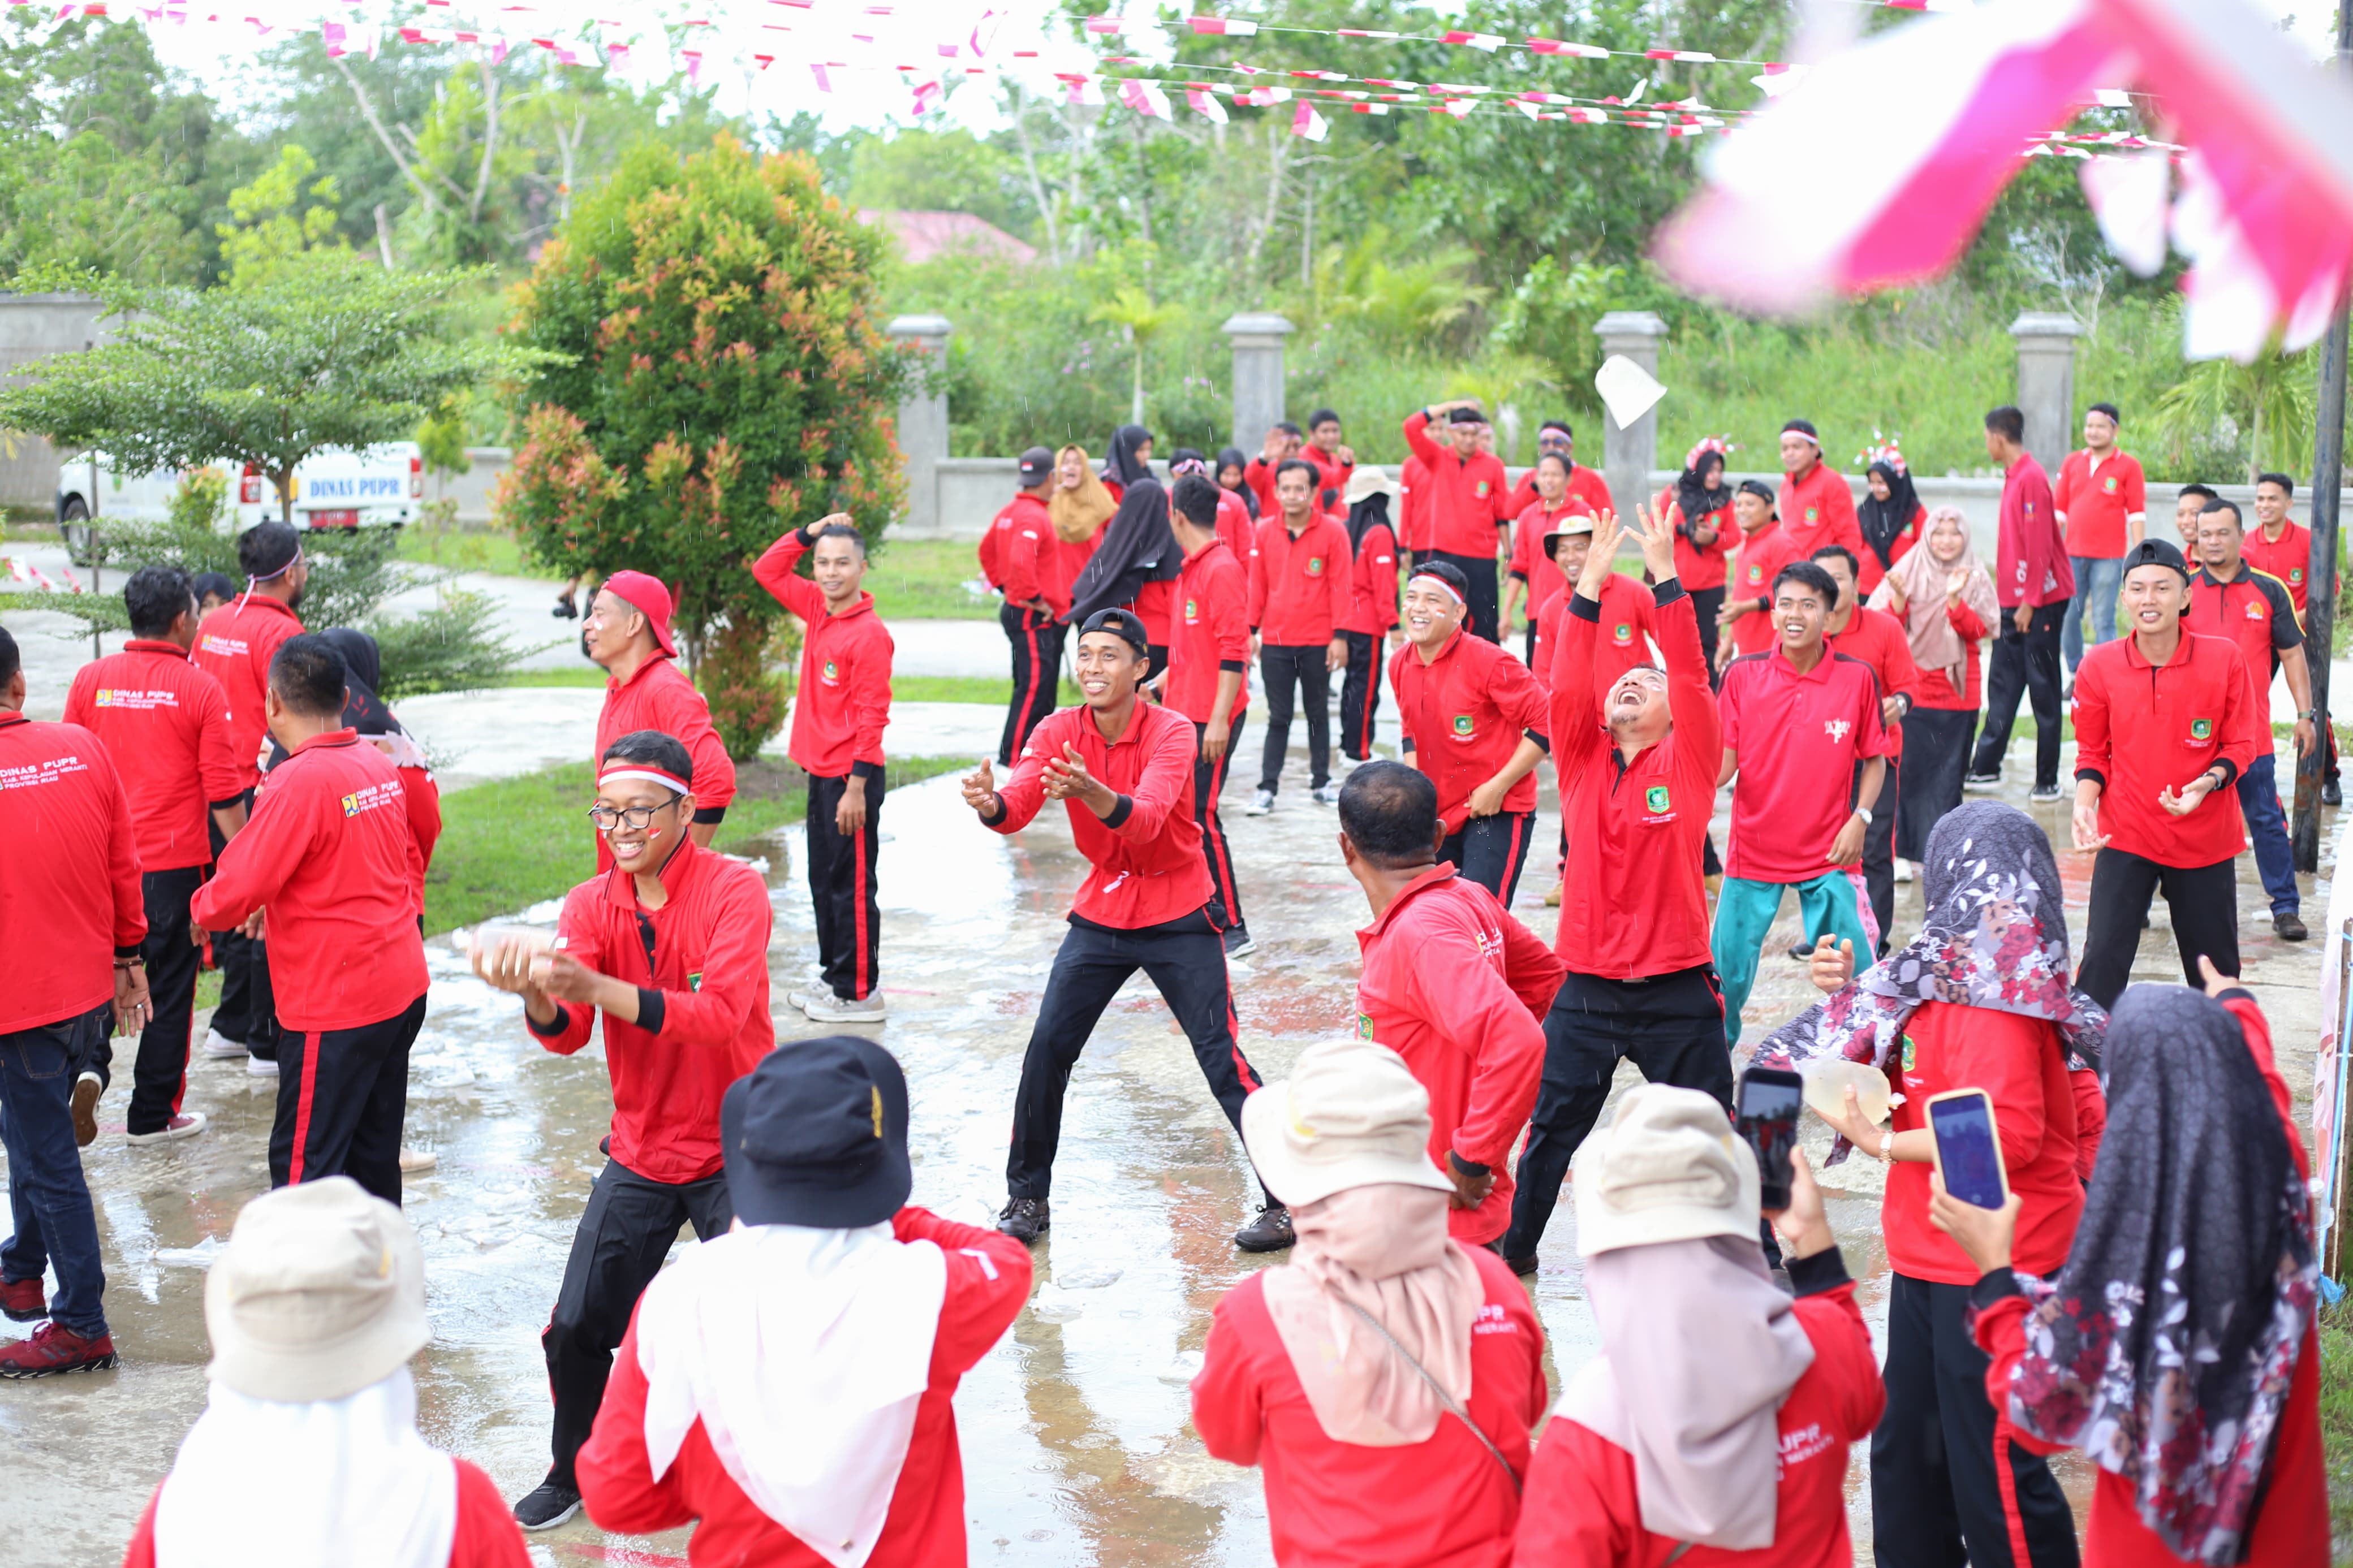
(1308, 123)
(1205, 102)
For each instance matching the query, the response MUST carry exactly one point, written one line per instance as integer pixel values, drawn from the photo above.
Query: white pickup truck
(378, 488)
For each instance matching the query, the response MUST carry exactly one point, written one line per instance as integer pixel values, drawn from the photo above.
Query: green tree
(269, 227)
(727, 379)
(1132, 311)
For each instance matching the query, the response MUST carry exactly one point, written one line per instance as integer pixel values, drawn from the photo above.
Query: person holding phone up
(2196, 1236)
(1979, 999)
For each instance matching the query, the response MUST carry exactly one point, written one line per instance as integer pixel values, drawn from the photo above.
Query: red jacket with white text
(166, 723)
(69, 896)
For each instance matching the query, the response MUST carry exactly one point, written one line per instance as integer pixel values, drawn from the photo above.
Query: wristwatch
(1863, 811)
(1887, 1146)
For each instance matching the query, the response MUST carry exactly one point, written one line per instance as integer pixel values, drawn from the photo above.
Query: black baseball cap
(2156, 553)
(1036, 464)
(1123, 624)
(816, 1135)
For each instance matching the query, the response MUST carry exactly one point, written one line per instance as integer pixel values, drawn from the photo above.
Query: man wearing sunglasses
(671, 946)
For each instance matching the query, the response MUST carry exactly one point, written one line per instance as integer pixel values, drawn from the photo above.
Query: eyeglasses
(608, 817)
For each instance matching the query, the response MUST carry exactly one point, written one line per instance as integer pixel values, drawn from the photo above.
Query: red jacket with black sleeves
(1373, 582)
(1584, 1506)
(2142, 728)
(701, 966)
(1301, 586)
(1636, 899)
(1762, 555)
(1463, 715)
(1629, 621)
(989, 1284)
(1819, 511)
(69, 895)
(1531, 562)
(1329, 1504)
(1585, 484)
(1212, 635)
(2031, 565)
(1467, 501)
(1459, 988)
(660, 697)
(330, 855)
(166, 723)
(1144, 859)
(234, 646)
(844, 702)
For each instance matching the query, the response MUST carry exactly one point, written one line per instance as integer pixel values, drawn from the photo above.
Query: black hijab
(1364, 514)
(2166, 1345)
(1231, 457)
(1699, 492)
(1136, 547)
(1883, 520)
(1123, 467)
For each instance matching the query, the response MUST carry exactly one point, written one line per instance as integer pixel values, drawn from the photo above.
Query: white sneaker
(259, 1066)
(1903, 870)
(1261, 804)
(415, 1160)
(1328, 796)
(798, 1000)
(219, 1045)
(188, 1124)
(825, 1007)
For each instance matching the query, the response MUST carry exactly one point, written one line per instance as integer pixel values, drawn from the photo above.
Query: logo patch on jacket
(1621, 634)
(694, 981)
(1813, 513)
(1654, 799)
(1462, 723)
(1192, 611)
(2201, 728)
(1315, 566)
(1480, 489)
(1364, 1026)
(832, 674)
(1836, 729)
(1757, 573)
(1911, 1053)
(2257, 610)
(2295, 574)
(2109, 484)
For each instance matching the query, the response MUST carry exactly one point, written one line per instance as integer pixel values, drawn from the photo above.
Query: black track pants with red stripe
(1493, 851)
(160, 1075)
(1186, 958)
(1360, 695)
(1209, 781)
(1036, 642)
(841, 887)
(342, 1097)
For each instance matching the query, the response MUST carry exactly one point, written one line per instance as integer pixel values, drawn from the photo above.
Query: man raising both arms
(837, 724)
(1123, 768)
(627, 630)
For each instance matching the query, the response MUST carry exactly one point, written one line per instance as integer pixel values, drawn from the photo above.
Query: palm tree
(1132, 311)
(2269, 401)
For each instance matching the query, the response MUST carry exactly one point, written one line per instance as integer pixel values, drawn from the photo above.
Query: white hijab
(337, 1483)
(804, 1353)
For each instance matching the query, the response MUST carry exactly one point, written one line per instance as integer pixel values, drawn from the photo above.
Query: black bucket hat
(816, 1135)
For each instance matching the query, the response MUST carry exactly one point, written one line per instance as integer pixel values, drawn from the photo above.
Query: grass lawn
(923, 579)
(993, 691)
(507, 845)
(494, 551)
(2336, 1326)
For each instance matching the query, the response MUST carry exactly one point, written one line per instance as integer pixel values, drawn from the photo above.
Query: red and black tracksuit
(839, 717)
(1212, 640)
(1143, 906)
(2032, 569)
(1032, 567)
(1463, 714)
(166, 724)
(701, 966)
(1299, 598)
(1372, 612)
(659, 696)
(1466, 501)
(330, 859)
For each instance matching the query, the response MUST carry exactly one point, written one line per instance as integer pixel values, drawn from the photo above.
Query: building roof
(925, 235)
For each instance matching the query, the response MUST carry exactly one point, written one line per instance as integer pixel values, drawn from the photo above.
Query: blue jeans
(2267, 830)
(2097, 578)
(1832, 904)
(48, 1199)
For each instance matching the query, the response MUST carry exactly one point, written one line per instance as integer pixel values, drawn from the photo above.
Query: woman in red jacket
(2175, 1345)
(788, 1385)
(1384, 1380)
(1714, 1425)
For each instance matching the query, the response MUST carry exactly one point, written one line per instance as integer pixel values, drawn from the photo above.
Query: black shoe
(2330, 794)
(1238, 941)
(1270, 1232)
(1525, 1267)
(2288, 926)
(1025, 1219)
(548, 1505)
(1803, 952)
(1981, 784)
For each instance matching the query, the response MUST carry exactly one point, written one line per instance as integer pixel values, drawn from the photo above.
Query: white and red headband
(1441, 584)
(645, 773)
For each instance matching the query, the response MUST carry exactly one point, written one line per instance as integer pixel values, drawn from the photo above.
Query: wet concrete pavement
(1076, 1440)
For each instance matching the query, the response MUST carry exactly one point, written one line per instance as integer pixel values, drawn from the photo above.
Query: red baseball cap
(647, 596)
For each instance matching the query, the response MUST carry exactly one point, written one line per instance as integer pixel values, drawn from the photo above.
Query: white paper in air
(1627, 390)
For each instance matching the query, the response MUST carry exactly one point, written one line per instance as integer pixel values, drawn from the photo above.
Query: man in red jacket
(1637, 765)
(838, 722)
(1472, 718)
(1452, 983)
(1586, 485)
(1745, 620)
(1880, 640)
(234, 646)
(68, 898)
(672, 945)
(1816, 505)
(1300, 596)
(329, 860)
(2036, 585)
(1124, 770)
(1026, 529)
(2166, 722)
(166, 724)
(1466, 505)
(1206, 664)
(1372, 609)
(627, 630)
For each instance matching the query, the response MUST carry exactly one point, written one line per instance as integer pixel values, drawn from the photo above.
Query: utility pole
(2328, 476)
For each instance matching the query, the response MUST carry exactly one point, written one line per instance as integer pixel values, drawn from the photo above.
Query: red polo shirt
(1459, 989)
(1798, 737)
(701, 966)
(2141, 727)
(843, 704)
(1762, 555)
(1373, 582)
(1531, 562)
(1463, 714)
(2288, 558)
(1699, 567)
(1636, 902)
(69, 896)
(1413, 505)
(1880, 640)
(1819, 511)
(1299, 587)
(2254, 613)
(1628, 622)
(330, 855)
(234, 646)
(1144, 859)
(166, 725)
(1584, 483)
(660, 697)
(1212, 635)
(1467, 500)
(2095, 497)
(2031, 562)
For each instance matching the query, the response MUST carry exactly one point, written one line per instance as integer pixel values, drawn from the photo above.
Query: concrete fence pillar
(2046, 385)
(1628, 456)
(1258, 388)
(923, 420)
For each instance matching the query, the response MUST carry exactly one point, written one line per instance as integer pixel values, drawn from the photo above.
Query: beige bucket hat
(319, 1293)
(1352, 1114)
(1667, 1168)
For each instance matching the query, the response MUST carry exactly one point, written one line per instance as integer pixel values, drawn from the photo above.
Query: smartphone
(1766, 1115)
(1969, 1150)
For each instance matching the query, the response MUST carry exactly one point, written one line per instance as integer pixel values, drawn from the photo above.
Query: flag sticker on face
(1462, 723)
(2201, 728)
(1654, 799)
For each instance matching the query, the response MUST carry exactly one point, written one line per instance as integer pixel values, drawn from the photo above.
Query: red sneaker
(21, 1301)
(53, 1350)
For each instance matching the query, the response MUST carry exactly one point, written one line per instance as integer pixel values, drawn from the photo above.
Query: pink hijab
(1384, 1249)
(1922, 577)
